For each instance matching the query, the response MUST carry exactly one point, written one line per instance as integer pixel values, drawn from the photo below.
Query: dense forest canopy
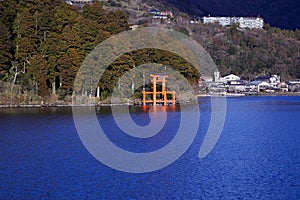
(44, 42)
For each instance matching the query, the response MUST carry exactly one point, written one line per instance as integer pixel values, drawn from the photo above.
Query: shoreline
(251, 95)
(129, 104)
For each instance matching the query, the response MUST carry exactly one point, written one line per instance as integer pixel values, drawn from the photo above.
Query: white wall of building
(244, 22)
(230, 77)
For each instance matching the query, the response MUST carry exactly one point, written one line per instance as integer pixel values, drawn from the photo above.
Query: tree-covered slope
(43, 43)
(251, 52)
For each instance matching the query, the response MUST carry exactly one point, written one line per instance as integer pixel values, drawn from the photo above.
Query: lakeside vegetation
(43, 43)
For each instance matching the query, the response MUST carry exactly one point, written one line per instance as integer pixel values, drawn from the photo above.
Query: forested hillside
(44, 42)
(245, 52)
(251, 52)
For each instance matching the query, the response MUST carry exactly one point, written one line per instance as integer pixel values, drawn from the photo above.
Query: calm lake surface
(256, 157)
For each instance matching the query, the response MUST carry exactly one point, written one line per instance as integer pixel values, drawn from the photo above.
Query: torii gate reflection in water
(158, 97)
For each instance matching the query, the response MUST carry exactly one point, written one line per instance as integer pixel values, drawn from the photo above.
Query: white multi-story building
(244, 22)
(224, 21)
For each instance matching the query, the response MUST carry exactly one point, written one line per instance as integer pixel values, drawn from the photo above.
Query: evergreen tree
(39, 69)
(6, 50)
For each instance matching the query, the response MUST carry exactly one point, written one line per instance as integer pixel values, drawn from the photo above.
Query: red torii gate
(158, 78)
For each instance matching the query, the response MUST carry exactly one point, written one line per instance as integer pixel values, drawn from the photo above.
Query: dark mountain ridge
(278, 13)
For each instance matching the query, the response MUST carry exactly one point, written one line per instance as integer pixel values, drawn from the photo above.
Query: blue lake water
(256, 157)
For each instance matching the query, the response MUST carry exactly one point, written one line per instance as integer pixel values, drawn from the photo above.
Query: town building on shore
(233, 85)
(294, 85)
(273, 80)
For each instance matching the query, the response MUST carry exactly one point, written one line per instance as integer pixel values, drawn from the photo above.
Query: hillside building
(161, 14)
(244, 22)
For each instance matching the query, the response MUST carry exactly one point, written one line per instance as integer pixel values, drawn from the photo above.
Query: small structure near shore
(155, 97)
